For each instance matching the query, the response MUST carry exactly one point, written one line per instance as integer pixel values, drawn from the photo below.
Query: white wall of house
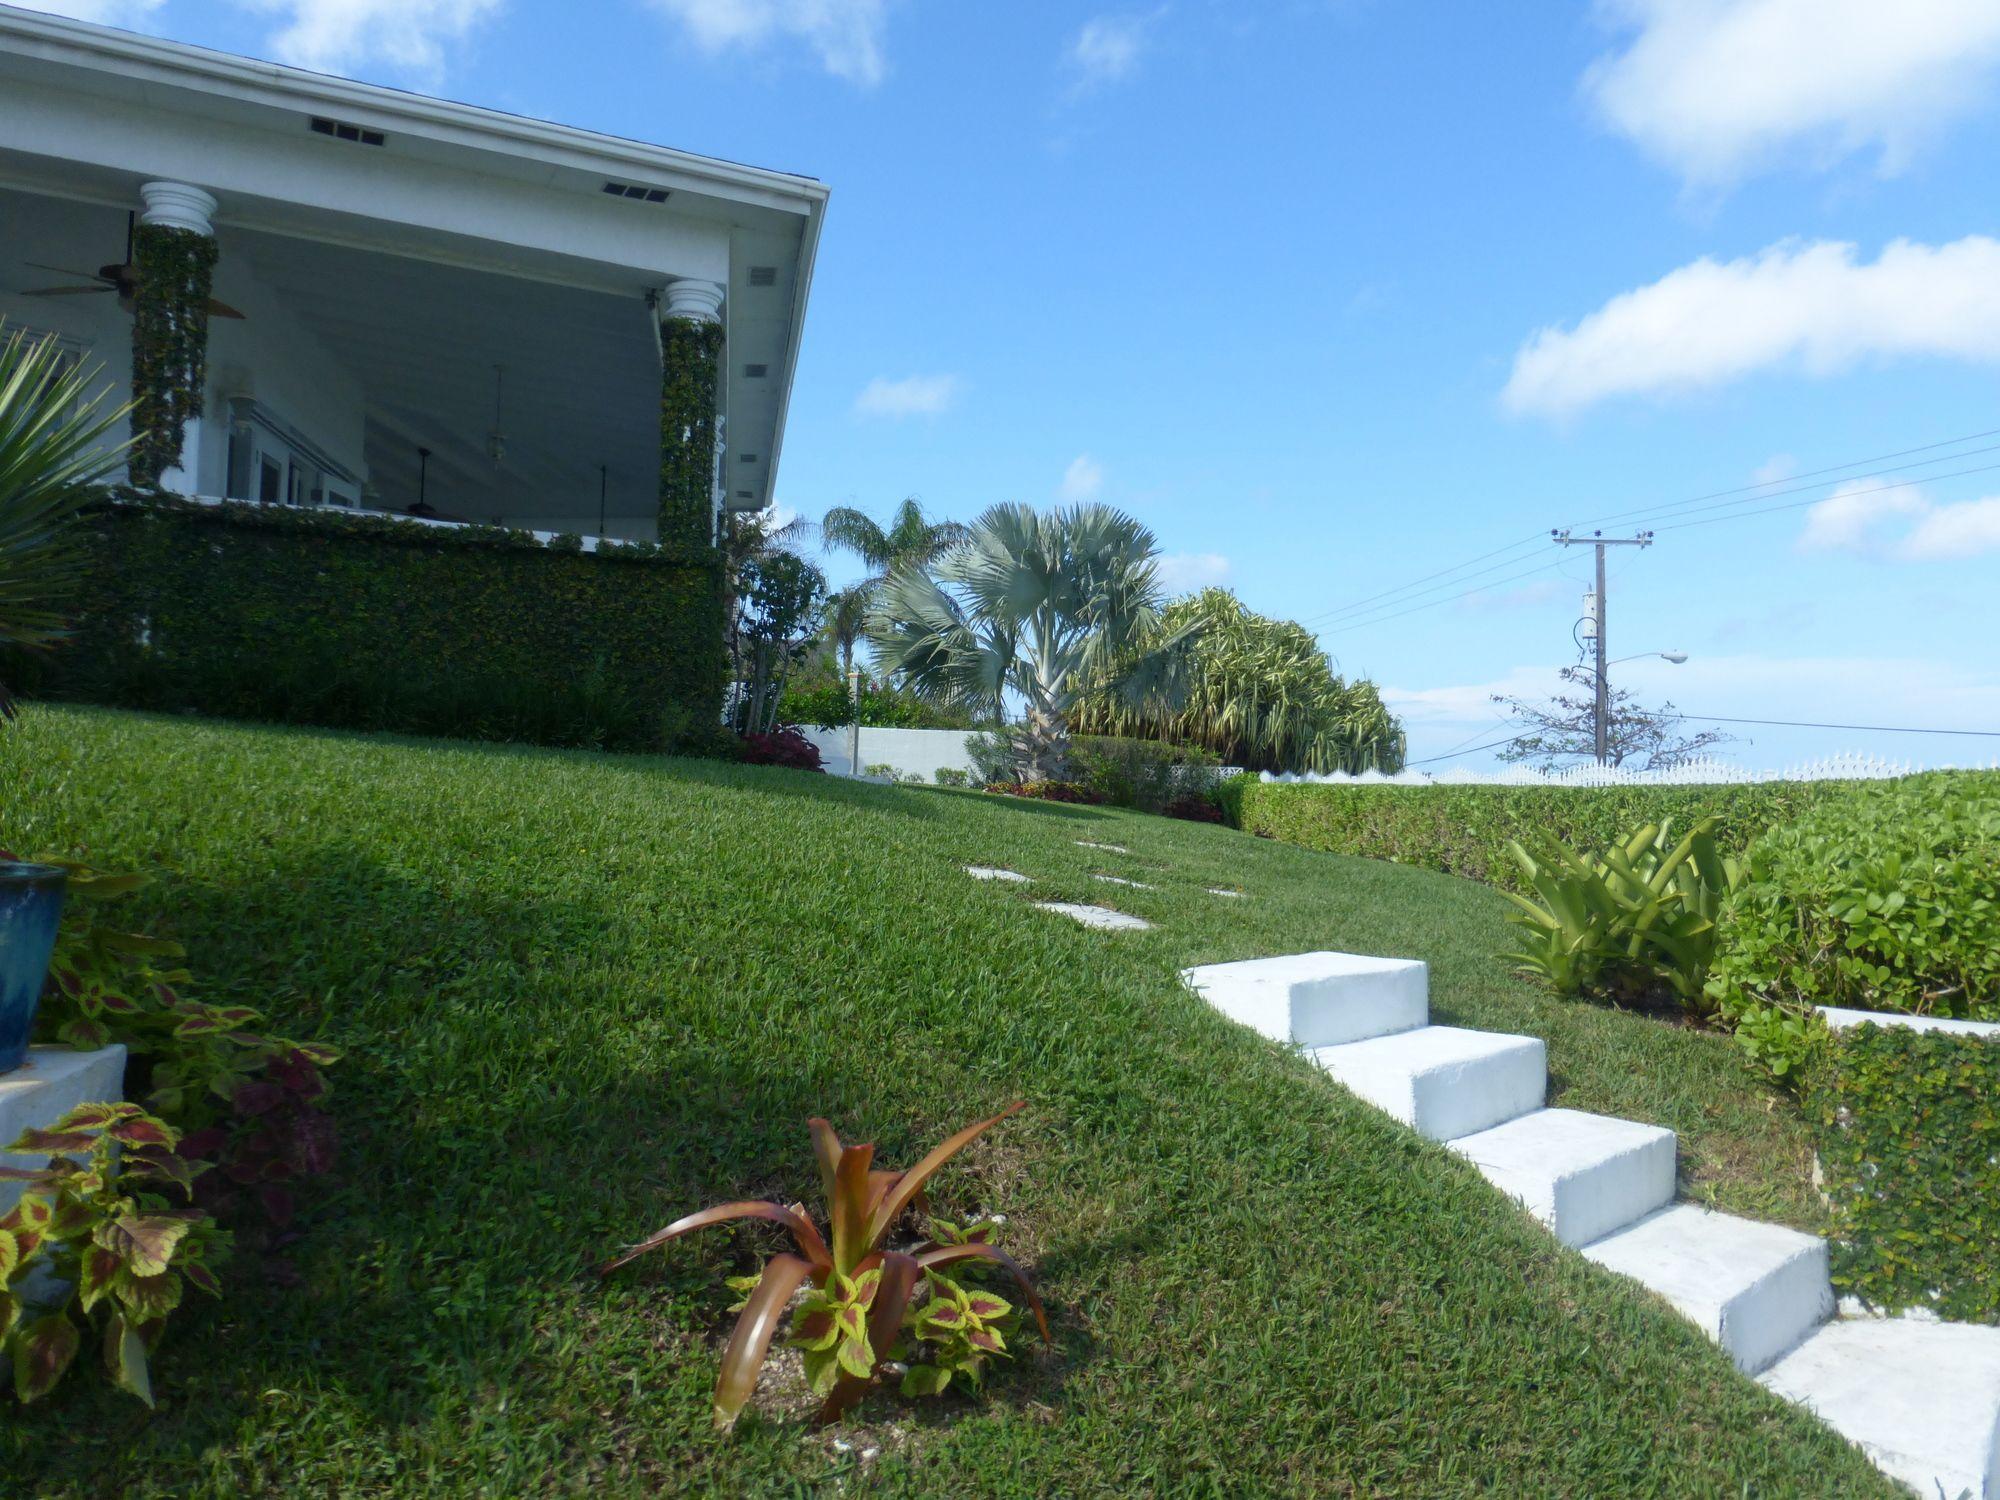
(912, 752)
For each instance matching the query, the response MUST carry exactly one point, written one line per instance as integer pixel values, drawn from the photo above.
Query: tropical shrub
(779, 597)
(54, 451)
(1057, 608)
(102, 1237)
(1195, 808)
(827, 704)
(1050, 791)
(950, 776)
(1259, 693)
(1906, 1125)
(1145, 774)
(783, 746)
(1887, 900)
(869, 1301)
(1465, 830)
(1639, 916)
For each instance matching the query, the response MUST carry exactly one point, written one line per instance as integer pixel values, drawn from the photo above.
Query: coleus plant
(866, 1304)
(107, 1240)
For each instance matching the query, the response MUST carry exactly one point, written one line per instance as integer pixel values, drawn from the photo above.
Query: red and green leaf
(751, 1340)
(42, 1351)
(852, 1233)
(99, 1268)
(951, 1253)
(145, 1242)
(804, 1231)
(897, 1276)
(892, 1205)
(125, 1358)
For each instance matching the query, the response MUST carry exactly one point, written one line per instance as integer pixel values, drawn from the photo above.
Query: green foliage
(1146, 774)
(1260, 693)
(1058, 608)
(827, 704)
(854, 1316)
(52, 456)
(1465, 830)
(1907, 1128)
(109, 1240)
(309, 616)
(951, 776)
(691, 353)
(575, 991)
(173, 271)
(779, 596)
(1888, 900)
(1625, 922)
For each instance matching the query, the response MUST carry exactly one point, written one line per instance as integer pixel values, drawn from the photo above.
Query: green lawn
(581, 995)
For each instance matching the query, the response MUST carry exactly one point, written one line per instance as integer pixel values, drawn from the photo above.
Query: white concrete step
(1921, 1398)
(1444, 1081)
(1582, 1175)
(1318, 999)
(1755, 1288)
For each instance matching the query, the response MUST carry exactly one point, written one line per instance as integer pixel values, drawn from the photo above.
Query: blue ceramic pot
(31, 902)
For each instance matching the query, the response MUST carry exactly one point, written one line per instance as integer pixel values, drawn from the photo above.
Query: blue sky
(1335, 294)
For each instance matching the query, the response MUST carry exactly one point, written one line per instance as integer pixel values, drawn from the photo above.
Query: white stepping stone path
(1920, 1397)
(1101, 917)
(1216, 890)
(1113, 848)
(994, 872)
(1137, 885)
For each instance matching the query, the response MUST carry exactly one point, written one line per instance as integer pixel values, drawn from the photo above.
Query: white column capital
(178, 205)
(699, 300)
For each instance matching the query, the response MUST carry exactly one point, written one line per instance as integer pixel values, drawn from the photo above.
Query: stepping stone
(1444, 1081)
(994, 872)
(1921, 1398)
(1216, 890)
(1114, 848)
(1098, 916)
(1582, 1175)
(1137, 885)
(1755, 1288)
(1318, 999)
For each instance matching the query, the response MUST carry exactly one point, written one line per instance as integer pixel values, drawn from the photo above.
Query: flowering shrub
(1050, 791)
(784, 746)
(1194, 809)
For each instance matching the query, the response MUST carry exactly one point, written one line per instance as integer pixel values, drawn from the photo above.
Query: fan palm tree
(911, 540)
(54, 454)
(1050, 607)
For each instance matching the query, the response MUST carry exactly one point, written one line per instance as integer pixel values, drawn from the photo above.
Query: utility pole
(1601, 716)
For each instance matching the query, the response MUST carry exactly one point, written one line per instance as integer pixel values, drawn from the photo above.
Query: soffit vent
(763, 276)
(636, 192)
(746, 494)
(340, 130)
(756, 372)
(746, 458)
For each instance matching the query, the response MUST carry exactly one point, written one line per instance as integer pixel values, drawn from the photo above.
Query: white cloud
(1719, 88)
(1862, 517)
(1185, 572)
(1810, 307)
(912, 396)
(846, 35)
(1082, 480)
(104, 12)
(410, 35)
(1106, 50)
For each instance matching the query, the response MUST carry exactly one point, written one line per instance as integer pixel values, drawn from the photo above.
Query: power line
(1340, 616)
(1810, 724)
(1454, 754)
(1795, 504)
(1343, 629)
(1358, 606)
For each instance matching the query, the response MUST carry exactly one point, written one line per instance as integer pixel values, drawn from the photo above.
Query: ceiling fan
(121, 278)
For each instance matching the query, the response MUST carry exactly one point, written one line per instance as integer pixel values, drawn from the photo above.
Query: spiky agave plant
(55, 449)
(866, 1302)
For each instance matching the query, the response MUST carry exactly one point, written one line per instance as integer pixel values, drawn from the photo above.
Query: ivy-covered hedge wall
(314, 617)
(1907, 1127)
(1463, 830)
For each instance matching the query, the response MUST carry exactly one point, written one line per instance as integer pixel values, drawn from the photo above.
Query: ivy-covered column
(173, 256)
(691, 355)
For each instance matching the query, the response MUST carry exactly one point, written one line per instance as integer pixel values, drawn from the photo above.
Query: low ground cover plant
(1629, 922)
(785, 746)
(1906, 1126)
(869, 1304)
(1049, 791)
(102, 1237)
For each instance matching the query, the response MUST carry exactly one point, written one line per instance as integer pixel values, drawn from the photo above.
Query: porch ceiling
(578, 380)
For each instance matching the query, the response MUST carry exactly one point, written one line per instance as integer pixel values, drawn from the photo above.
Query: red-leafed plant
(783, 746)
(1194, 809)
(112, 1242)
(867, 1304)
(1050, 791)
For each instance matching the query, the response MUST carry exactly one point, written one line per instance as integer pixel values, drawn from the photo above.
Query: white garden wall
(912, 752)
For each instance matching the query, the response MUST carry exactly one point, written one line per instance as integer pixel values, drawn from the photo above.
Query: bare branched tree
(1563, 731)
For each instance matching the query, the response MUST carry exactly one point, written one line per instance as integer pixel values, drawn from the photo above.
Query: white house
(415, 302)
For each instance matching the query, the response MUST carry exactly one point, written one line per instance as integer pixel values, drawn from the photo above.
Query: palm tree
(53, 457)
(846, 623)
(911, 540)
(1050, 607)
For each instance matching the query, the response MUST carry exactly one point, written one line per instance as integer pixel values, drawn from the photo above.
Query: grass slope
(581, 995)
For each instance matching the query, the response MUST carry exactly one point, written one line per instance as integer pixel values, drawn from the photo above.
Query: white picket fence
(1702, 772)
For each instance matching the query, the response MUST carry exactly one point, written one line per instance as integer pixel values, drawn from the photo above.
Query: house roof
(544, 207)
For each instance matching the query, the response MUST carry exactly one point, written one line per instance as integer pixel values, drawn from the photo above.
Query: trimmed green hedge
(1463, 830)
(1907, 1126)
(363, 622)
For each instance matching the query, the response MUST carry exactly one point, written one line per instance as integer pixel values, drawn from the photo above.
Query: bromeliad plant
(107, 1241)
(1638, 916)
(867, 1304)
